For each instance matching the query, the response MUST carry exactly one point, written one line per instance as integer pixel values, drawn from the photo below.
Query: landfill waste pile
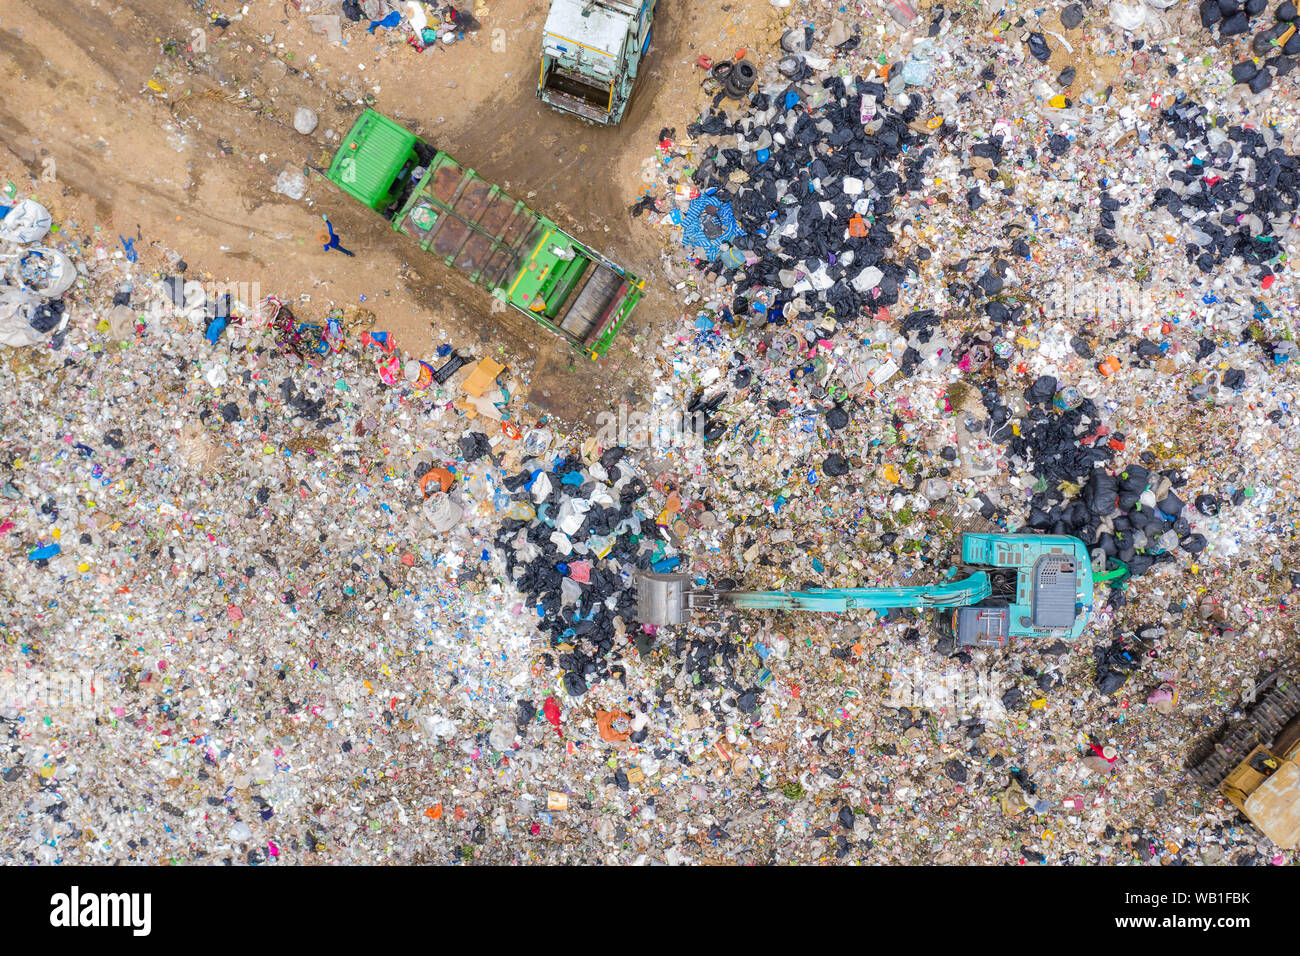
(281, 588)
(421, 25)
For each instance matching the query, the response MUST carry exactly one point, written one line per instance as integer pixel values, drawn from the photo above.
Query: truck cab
(591, 54)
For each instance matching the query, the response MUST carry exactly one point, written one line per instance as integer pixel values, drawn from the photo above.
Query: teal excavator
(1011, 587)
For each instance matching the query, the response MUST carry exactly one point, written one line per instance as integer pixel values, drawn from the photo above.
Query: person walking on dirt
(330, 240)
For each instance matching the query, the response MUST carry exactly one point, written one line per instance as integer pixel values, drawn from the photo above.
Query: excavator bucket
(661, 598)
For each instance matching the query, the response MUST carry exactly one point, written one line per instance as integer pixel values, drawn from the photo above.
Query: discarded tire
(740, 79)
(790, 66)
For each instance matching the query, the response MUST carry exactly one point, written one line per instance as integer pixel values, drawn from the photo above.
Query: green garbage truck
(522, 258)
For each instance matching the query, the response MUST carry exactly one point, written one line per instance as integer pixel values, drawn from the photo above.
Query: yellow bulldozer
(1255, 762)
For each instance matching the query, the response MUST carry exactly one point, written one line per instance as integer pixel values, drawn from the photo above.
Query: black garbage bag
(1235, 25)
(1039, 520)
(1171, 505)
(515, 482)
(1244, 71)
(474, 446)
(1115, 664)
(525, 712)
(1042, 391)
(1140, 564)
(1039, 48)
(835, 465)
(44, 318)
(1106, 541)
(574, 684)
(837, 418)
(1108, 682)
(1100, 493)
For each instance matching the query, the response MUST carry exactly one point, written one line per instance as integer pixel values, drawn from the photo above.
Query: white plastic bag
(291, 184)
(16, 307)
(1128, 16)
(26, 222)
(46, 272)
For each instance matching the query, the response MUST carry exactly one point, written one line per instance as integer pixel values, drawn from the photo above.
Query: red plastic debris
(552, 711)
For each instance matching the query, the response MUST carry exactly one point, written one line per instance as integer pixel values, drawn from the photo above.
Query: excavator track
(1212, 761)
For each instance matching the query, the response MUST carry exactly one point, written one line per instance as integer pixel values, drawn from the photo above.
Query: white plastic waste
(444, 513)
(1128, 16)
(305, 120)
(16, 307)
(291, 184)
(46, 272)
(416, 17)
(26, 222)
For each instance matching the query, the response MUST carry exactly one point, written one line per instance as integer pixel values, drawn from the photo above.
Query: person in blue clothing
(330, 240)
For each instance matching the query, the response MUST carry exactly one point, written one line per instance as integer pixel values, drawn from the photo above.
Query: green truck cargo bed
(522, 258)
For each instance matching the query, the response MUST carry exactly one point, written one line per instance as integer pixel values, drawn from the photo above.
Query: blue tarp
(693, 234)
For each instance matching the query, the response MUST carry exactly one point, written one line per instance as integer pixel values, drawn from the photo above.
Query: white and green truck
(592, 52)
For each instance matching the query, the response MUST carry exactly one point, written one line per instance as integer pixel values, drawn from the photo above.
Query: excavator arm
(665, 599)
(962, 593)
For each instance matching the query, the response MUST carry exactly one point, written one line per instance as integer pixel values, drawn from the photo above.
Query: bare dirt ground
(143, 119)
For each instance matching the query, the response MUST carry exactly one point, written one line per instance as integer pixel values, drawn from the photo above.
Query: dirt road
(142, 118)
